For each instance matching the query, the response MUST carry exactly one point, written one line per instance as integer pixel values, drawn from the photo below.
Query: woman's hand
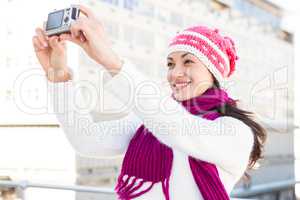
(52, 55)
(88, 32)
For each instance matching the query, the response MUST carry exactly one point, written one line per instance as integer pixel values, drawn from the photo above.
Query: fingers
(80, 26)
(82, 37)
(38, 46)
(55, 44)
(42, 42)
(78, 40)
(68, 37)
(41, 36)
(86, 11)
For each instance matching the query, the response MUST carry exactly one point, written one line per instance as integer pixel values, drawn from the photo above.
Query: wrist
(114, 67)
(59, 75)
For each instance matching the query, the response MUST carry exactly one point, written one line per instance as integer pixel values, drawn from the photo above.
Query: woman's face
(187, 75)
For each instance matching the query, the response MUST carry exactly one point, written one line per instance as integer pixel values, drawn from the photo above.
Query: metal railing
(255, 190)
(267, 188)
(24, 184)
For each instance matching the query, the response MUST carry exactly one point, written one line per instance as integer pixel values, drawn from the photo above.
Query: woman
(198, 152)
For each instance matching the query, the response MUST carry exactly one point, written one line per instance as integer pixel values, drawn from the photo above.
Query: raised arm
(107, 138)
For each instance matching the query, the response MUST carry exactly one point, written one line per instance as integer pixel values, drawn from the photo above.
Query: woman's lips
(181, 85)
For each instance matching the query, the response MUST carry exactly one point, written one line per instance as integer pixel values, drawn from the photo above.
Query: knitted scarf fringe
(127, 191)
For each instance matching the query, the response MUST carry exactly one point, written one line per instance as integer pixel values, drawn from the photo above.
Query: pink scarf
(149, 160)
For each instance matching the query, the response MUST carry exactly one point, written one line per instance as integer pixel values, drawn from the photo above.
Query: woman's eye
(188, 61)
(170, 64)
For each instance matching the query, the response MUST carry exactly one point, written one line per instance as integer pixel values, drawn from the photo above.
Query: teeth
(181, 85)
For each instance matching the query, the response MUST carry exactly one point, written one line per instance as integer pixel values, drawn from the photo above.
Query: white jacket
(226, 141)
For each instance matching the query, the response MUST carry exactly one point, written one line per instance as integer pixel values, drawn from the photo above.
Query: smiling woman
(187, 75)
(167, 155)
(201, 59)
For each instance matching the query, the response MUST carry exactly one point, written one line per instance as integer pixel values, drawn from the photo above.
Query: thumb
(78, 40)
(56, 45)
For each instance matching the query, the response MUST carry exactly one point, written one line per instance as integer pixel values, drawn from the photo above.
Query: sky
(291, 7)
(287, 4)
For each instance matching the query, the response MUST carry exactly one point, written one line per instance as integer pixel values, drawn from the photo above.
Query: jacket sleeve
(226, 141)
(89, 138)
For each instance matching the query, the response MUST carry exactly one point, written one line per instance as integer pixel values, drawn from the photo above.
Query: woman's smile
(180, 85)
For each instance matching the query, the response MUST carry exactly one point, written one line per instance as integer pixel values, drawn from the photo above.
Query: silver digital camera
(59, 21)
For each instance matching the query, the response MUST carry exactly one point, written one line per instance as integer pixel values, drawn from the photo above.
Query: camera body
(59, 21)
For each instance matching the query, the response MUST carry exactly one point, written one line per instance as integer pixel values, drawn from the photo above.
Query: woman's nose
(178, 71)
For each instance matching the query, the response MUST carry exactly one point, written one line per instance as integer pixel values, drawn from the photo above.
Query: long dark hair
(259, 133)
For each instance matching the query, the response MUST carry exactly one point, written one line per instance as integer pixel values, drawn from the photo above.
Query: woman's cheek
(169, 74)
(196, 89)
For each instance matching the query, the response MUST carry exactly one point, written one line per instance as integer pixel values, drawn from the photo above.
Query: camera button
(66, 19)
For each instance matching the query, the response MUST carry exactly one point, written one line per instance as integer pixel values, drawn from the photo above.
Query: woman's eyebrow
(182, 56)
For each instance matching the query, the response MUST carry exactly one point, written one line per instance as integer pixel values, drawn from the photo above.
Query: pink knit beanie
(215, 51)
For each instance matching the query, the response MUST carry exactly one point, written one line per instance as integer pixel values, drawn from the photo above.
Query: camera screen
(55, 20)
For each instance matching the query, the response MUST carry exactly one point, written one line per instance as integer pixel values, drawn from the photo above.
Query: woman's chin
(185, 95)
(179, 96)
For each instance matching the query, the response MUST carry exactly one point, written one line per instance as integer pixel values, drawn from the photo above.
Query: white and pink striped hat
(218, 53)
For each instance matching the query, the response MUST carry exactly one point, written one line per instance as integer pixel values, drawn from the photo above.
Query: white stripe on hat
(203, 58)
(213, 45)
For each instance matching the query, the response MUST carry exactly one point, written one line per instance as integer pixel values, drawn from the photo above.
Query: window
(112, 2)
(130, 4)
